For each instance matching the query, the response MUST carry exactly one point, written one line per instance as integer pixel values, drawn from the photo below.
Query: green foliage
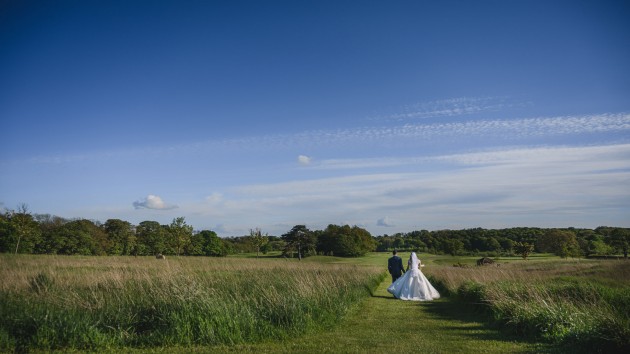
(81, 237)
(211, 244)
(258, 239)
(151, 237)
(122, 239)
(621, 240)
(562, 243)
(345, 241)
(454, 247)
(180, 235)
(42, 233)
(523, 249)
(301, 240)
(19, 232)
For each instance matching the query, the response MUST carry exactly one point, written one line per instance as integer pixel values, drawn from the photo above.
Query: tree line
(563, 242)
(23, 232)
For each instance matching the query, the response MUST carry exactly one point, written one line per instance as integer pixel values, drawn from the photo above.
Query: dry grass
(586, 302)
(96, 302)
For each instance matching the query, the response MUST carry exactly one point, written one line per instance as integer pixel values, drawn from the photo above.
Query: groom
(395, 266)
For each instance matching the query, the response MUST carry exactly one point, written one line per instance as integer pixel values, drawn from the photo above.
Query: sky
(393, 116)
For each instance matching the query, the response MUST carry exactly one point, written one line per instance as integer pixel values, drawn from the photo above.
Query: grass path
(383, 324)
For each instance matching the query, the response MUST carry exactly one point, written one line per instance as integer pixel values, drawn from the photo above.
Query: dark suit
(395, 267)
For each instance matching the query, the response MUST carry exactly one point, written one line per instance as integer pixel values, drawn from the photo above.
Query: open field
(53, 302)
(584, 303)
(273, 304)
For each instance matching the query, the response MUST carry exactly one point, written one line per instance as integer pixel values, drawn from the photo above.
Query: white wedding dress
(413, 285)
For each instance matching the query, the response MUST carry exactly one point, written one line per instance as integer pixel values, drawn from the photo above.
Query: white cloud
(153, 202)
(385, 222)
(215, 198)
(304, 160)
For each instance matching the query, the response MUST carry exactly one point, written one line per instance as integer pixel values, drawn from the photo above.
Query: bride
(413, 285)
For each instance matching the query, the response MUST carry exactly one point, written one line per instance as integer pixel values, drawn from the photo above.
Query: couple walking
(413, 285)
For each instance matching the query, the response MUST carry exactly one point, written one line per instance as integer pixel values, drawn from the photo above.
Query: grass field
(319, 304)
(105, 302)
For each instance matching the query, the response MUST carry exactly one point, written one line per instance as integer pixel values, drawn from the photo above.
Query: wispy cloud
(512, 129)
(153, 202)
(449, 108)
(384, 222)
(551, 186)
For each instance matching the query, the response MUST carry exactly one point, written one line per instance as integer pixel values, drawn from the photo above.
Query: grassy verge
(580, 304)
(91, 303)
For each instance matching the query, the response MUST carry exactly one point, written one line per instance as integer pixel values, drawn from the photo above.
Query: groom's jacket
(395, 266)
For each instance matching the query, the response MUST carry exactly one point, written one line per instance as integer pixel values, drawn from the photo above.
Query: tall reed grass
(583, 303)
(49, 302)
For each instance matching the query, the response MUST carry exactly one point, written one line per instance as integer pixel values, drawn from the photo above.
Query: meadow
(90, 303)
(572, 302)
(545, 304)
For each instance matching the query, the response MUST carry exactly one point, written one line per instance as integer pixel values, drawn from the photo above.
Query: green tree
(258, 239)
(599, 247)
(121, 236)
(620, 239)
(19, 232)
(212, 244)
(48, 224)
(301, 240)
(453, 246)
(506, 244)
(81, 237)
(562, 243)
(345, 241)
(523, 249)
(151, 238)
(195, 246)
(275, 244)
(180, 234)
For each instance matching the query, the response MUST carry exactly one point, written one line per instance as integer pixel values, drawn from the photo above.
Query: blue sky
(390, 115)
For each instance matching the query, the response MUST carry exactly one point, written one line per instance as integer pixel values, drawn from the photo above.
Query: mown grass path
(383, 324)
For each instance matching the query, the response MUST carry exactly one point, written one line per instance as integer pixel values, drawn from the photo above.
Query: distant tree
(301, 240)
(180, 234)
(275, 244)
(121, 236)
(620, 239)
(19, 232)
(597, 246)
(345, 241)
(562, 243)
(506, 244)
(258, 239)
(81, 237)
(454, 247)
(212, 244)
(151, 238)
(523, 249)
(195, 246)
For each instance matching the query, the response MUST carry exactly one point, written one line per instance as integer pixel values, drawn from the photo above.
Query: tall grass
(584, 303)
(94, 302)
